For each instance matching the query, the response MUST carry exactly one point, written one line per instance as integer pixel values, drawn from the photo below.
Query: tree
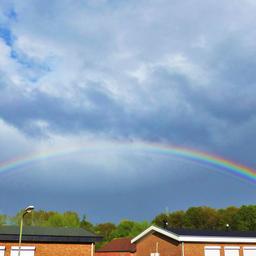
(71, 219)
(85, 224)
(128, 228)
(3, 219)
(56, 220)
(227, 216)
(138, 227)
(105, 229)
(201, 218)
(245, 218)
(160, 219)
(176, 219)
(123, 229)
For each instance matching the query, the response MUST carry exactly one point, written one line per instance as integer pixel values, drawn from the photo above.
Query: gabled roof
(189, 235)
(119, 245)
(48, 234)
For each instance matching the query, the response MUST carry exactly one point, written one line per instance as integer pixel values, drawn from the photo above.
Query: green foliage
(56, 220)
(174, 219)
(127, 228)
(85, 224)
(160, 219)
(48, 219)
(124, 228)
(3, 219)
(227, 216)
(201, 218)
(105, 230)
(71, 219)
(245, 218)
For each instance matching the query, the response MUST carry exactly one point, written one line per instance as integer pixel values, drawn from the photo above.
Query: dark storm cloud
(179, 108)
(178, 72)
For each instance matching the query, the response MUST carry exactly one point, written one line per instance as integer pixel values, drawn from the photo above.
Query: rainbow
(187, 154)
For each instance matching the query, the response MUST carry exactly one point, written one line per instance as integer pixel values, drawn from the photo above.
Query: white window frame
(215, 248)
(154, 254)
(2, 250)
(22, 248)
(231, 248)
(212, 247)
(246, 248)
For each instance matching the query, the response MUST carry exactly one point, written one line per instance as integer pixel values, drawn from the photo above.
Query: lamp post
(27, 210)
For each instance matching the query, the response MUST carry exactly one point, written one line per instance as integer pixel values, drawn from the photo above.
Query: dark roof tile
(48, 234)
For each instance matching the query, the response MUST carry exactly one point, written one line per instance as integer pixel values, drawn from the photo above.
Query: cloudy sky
(99, 74)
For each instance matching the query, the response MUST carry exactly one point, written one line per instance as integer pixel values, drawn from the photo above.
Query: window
(231, 250)
(2, 250)
(212, 250)
(24, 250)
(249, 251)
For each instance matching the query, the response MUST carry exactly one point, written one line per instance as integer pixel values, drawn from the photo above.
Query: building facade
(156, 241)
(45, 241)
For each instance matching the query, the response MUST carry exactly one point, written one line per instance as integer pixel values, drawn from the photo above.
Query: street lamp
(27, 210)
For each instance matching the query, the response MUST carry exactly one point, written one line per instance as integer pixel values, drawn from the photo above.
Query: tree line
(239, 218)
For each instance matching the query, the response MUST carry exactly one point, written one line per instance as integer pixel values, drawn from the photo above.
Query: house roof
(48, 234)
(189, 235)
(119, 245)
(218, 233)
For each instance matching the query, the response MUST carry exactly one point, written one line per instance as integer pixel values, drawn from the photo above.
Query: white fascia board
(249, 247)
(158, 230)
(25, 248)
(217, 239)
(2, 248)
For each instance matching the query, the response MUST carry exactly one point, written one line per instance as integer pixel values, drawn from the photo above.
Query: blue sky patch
(6, 35)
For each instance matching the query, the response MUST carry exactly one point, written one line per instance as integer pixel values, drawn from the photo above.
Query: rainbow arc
(188, 154)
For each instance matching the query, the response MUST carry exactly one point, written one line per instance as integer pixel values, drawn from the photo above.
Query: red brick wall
(166, 246)
(169, 247)
(114, 254)
(44, 249)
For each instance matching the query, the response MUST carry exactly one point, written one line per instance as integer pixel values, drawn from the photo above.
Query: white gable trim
(178, 238)
(152, 229)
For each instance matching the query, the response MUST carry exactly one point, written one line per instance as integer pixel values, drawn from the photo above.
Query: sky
(102, 76)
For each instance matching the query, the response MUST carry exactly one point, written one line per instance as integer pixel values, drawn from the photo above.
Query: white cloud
(161, 64)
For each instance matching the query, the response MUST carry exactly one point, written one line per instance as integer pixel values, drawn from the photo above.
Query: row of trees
(243, 218)
(238, 218)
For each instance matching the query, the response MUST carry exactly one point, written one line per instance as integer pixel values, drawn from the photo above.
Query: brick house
(47, 241)
(156, 241)
(117, 247)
